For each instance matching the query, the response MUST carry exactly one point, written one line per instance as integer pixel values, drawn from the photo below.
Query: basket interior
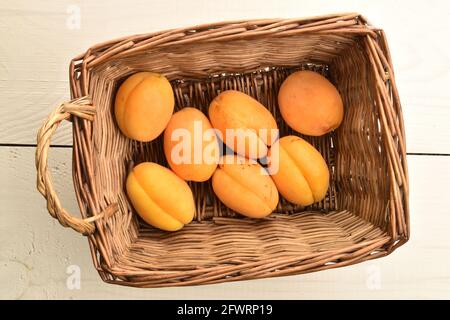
(354, 212)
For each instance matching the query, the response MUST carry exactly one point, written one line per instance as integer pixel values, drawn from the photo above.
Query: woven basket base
(257, 247)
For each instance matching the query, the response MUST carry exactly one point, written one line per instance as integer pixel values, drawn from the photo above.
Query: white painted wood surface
(37, 42)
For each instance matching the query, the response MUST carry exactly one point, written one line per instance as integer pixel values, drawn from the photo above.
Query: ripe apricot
(160, 197)
(242, 186)
(143, 106)
(190, 145)
(248, 123)
(310, 104)
(302, 176)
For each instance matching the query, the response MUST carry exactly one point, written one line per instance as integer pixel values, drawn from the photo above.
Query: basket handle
(81, 108)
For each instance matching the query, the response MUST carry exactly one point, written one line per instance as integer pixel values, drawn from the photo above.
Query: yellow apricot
(160, 197)
(242, 186)
(310, 104)
(143, 106)
(190, 145)
(302, 176)
(247, 118)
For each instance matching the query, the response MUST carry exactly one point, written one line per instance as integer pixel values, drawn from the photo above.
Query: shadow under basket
(364, 215)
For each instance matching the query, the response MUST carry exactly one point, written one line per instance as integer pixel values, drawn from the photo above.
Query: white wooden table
(38, 39)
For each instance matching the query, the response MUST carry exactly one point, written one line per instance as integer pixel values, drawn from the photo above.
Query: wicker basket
(364, 215)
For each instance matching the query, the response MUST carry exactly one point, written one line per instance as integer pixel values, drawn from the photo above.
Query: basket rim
(345, 23)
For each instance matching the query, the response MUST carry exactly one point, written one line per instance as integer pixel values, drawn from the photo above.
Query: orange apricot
(160, 197)
(302, 175)
(247, 122)
(190, 145)
(143, 106)
(244, 186)
(310, 104)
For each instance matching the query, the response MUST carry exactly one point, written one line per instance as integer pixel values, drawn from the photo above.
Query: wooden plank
(36, 251)
(39, 39)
